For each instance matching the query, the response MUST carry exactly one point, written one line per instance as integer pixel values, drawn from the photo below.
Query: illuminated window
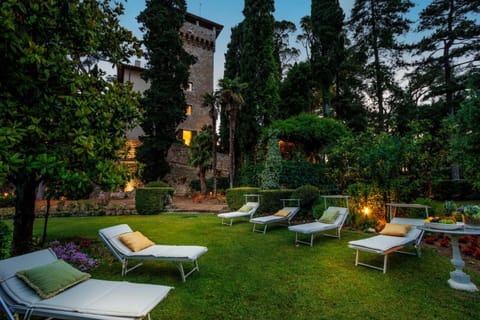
(188, 110)
(187, 137)
(189, 86)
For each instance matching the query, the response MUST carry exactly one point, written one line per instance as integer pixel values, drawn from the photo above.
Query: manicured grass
(247, 275)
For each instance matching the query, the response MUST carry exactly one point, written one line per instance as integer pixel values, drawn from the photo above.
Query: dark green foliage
(223, 183)
(294, 174)
(466, 139)
(61, 122)
(250, 58)
(7, 201)
(449, 51)
(376, 26)
(151, 200)
(5, 240)
(295, 91)
(156, 184)
(309, 196)
(164, 102)
(454, 190)
(327, 47)
(235, 196)
(270, 201)
(310, 133)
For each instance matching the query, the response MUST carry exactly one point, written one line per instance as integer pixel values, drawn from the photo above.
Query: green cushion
(329, 216)
(51, 279)
(245, 208)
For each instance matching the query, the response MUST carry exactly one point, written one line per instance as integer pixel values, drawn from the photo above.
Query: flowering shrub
(70, 252)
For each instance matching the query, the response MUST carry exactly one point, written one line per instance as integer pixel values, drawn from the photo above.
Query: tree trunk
(233, 120)
(214, 152)
(24, 216)
(203, 183)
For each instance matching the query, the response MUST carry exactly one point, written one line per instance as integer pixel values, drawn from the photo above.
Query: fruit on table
(445, 220)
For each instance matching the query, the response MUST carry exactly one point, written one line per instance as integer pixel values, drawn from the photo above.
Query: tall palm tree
(200, 157)
(231, 97)
(210, 100)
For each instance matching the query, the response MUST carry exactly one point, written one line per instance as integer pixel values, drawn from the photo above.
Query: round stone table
(458, 279)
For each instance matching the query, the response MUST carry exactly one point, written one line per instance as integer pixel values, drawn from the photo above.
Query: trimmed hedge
(235, 196)
(157, 184)
(151, 200)
(270, 200)
(309, 196)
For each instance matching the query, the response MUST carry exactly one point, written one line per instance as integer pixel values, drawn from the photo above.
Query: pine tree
(327, 46)
(450, 51)
(164, 102)
(376, 25)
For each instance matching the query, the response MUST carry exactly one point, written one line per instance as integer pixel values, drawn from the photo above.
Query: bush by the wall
(235, 196)
(156, 184)
(270, 200)
(151, 200)
(223, 183)
(5, 240)
(309, 196)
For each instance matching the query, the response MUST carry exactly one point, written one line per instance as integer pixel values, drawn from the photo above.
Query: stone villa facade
(199, 36)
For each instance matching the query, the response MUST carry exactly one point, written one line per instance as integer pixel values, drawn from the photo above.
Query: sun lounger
(252, 202)
(313, 228)
(89, 299)
(177, 254)
(285, 214)
(386, 244)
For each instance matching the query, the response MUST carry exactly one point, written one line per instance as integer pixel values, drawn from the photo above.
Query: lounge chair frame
(403, 242)
(124, 258)
(250, 199)
(271, 219)
(313, 228)
(90, 299)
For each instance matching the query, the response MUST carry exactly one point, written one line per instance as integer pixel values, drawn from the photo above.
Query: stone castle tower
(199, 36)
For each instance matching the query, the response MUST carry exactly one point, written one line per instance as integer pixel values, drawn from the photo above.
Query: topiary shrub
(235, 196)
(151, 200)
(308, 196)
(5, 240)
(271, 200)
(156, 184)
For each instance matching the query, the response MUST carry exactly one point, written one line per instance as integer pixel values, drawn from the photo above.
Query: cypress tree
(164, 102)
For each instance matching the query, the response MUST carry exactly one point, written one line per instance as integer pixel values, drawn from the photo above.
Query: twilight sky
(229, 13)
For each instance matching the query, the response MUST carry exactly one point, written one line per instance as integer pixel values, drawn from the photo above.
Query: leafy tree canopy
(61, 123)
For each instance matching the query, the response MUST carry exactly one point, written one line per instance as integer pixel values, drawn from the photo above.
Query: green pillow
(245, 208)
(50, 279)
(329, 216)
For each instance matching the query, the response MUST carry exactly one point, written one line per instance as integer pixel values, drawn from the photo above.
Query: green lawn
(247, 275)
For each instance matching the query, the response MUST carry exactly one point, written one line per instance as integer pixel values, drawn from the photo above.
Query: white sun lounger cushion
(92, 297)
(166, 252)
(238, 214)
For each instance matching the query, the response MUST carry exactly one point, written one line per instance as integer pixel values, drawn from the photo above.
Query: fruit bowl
(444, 226)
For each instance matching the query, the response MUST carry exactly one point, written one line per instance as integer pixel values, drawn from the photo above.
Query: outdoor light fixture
(366, 210)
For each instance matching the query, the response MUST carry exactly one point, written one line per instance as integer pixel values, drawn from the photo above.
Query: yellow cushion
(395, 229)
(135, 241)
(282, 213)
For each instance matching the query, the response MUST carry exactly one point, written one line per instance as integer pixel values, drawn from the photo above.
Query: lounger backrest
(343, 213)
(110, 237)
(10, 266)
(414, 233)
(293, 212)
